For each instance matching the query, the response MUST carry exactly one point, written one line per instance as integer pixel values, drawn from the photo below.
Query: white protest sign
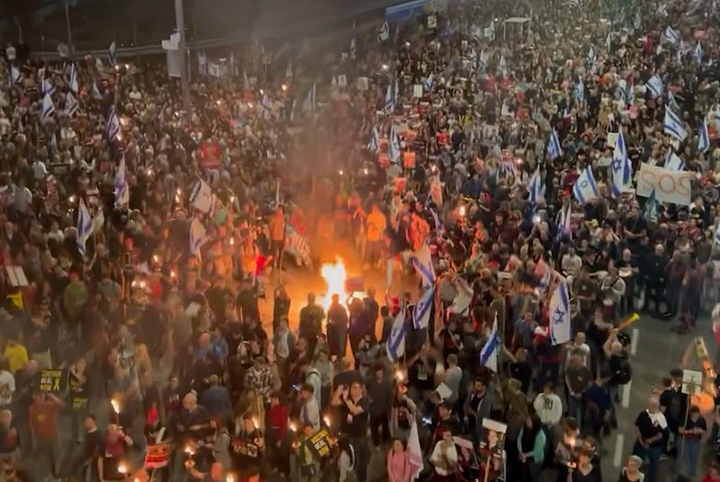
(362, 83)
(669, 186)
(417, 91)
(342, 80)
(612, 138)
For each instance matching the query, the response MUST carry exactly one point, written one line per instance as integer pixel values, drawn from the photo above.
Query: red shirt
(277, 419)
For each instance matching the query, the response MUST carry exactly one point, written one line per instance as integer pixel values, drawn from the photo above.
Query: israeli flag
(673, 126)
(48, 108)
(536, 188)
(579, 92)
(655, 85)
(96, 91)
(554, 149)
(422, 262)
(673, 162)
(717, 235)
(384, 34)
(84, 227)
(202, 197)
(71, 105)
(671, 35)
(491, 349)
(428, 83)
(112, 54)
(112, 129)
(266, 105)
(586, 189)
(390, 96)
(564, 222)
(309, 103)
(704, 138)
(423, 308)
(73, 81)
(560, 324)
(15, 75)
(396, 341)
(47, 86)
(672, 103)
(374, 144)
(592, 56)
(502, 65)
(698, 53)
(439, 226)
(198, 236)
(620, 167)
(394, 147)
(122, 192)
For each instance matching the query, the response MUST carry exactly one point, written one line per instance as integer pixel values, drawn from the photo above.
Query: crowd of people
(523, 176)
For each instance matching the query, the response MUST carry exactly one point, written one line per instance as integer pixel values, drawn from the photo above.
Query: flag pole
(180, 21)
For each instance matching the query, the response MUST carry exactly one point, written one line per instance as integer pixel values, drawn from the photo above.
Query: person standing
(380, 391)
(354, 423)
(277, 237)
(690, 443)
(44, 428)
(337, 327)
(650, 426)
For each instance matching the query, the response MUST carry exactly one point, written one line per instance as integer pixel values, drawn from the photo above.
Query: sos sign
(669, 186)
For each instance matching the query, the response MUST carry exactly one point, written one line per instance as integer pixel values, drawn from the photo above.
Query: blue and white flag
(703, 138)
(536, 188)
(374, 143)
(71, 104)
(266, 106)
(502, 65)
(202, 197)
(122, 191)
(491, 349)
(422, 262)
(73, 80)
(112, 129)
(396, 340)
(112, 54)
(84, 227)
(655, 85)
(47, 86)
(48, 108)
(309, 103)
(698, 53)
(394, 147)
(384, 34)
(579, 92)
(198, 236)
(439, 226)
(96, 91)
(554, 149)
(673, 126)
(428, 83)
(564, 220)
(423, 308)
(15, 75)
(390, 97)
(672, 103)
(586, 189)
(620, 168)
(650, 211)
(591, 55)
(560, 324)
(671, 35)
(717, 235)
(202, 62)
(673, 162)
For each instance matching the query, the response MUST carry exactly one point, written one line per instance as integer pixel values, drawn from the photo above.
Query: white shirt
(7, 387)
(549, 408)
(450, 455)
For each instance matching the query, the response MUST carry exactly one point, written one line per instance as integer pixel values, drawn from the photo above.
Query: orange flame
(335, 276)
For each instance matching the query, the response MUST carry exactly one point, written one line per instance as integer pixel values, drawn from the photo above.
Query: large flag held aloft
(422, 261)
(560, 325)
(122, 192)
(490, 351)
(423, 308)
(84, 226)
(586, 189)
(554, 149)
(673, 126)
(48, 108)
(620, 167)
(396, 341)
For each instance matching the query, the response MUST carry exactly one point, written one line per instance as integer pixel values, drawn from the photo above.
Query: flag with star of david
(560, 324)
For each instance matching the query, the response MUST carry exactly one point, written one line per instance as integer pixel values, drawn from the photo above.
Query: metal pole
(180, 19)
(69, 29)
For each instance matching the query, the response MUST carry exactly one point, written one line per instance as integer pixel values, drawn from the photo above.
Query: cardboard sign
(669, 186)
(432, 21)
(417, 91)
(612, 138)
(211, 155)
(53, 380)
(362, 83)
(320, 443)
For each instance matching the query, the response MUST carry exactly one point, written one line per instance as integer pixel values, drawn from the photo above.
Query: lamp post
(185, 85)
